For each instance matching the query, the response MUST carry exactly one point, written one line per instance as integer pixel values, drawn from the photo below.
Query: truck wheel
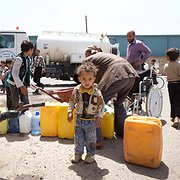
(75, 78)
(47, 75)
(65, 77)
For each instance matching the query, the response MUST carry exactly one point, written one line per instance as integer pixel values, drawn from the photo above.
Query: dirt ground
(28, 157)
(35, 157)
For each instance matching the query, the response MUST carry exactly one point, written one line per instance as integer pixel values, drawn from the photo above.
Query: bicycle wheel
(154, 102)
(160, 83)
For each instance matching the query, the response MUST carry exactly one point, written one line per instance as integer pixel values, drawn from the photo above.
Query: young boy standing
(89, 105)
(19, 77)
(3, 69)
(7, 87)
(155, 70)
(172, 69)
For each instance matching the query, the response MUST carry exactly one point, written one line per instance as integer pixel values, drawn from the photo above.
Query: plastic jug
(3, 124)
(50, 115)
(107, 125)
(143, 141)
(65, 129)
(25, 122)
(35, 124)
(13, 125)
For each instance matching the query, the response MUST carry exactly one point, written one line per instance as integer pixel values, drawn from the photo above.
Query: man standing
(38, 69)
(137, 51)
(115, 78)
(137, 54)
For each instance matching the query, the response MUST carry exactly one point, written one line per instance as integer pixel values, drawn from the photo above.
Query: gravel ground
(27, 157)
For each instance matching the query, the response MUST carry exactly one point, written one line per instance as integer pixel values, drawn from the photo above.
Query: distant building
(157, 43)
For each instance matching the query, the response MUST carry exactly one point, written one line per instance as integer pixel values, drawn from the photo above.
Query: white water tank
(56, 47)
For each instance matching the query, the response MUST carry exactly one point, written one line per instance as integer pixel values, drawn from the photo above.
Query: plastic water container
(65, 129)
(107, 125)
(25, 122)
(13, 125)
(143, 141)
(35, 124)
(50, 115)
(3, 124)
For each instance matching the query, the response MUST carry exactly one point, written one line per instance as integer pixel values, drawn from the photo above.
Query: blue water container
(13, 125)
(35, 124)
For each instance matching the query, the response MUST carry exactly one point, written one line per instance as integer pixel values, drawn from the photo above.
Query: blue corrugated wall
(157, 43)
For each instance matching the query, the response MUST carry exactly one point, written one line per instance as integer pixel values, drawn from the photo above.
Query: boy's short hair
(153, 60)
(172, 53)
(36, 50)
(87, 67)
(9, 61)
(26, 46)
(3, 61)
(93, 49)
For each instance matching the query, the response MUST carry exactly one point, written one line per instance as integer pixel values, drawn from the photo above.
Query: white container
(25, 122)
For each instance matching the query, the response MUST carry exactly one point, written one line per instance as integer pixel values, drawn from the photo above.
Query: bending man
(115, 78)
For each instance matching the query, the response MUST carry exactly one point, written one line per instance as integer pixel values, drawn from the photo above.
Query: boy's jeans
(15, 93)
(85, 133)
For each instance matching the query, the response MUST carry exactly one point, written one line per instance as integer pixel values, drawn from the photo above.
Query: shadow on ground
(89, 171)
(53, 139)
(163, 122)
(11, 137)
(117, 155)
(160, 173)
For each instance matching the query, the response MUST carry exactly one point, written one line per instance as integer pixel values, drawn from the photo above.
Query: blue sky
(111, 17)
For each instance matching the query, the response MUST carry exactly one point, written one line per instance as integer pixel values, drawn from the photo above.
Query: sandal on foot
(175, 125)
(76, 158)
(99, 145)
(172, 119)
(89, 159)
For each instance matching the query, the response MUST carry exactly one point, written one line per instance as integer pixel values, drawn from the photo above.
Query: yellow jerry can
(65, 129)
(143, 141)
(49, 116)
(107, 125)
(3, 124)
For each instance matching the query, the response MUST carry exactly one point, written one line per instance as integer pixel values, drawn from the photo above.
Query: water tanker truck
(62, 52)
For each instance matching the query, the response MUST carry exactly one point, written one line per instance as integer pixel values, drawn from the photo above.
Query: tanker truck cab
(10, 43)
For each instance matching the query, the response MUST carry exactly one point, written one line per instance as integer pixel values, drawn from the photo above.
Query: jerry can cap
(37, 113)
